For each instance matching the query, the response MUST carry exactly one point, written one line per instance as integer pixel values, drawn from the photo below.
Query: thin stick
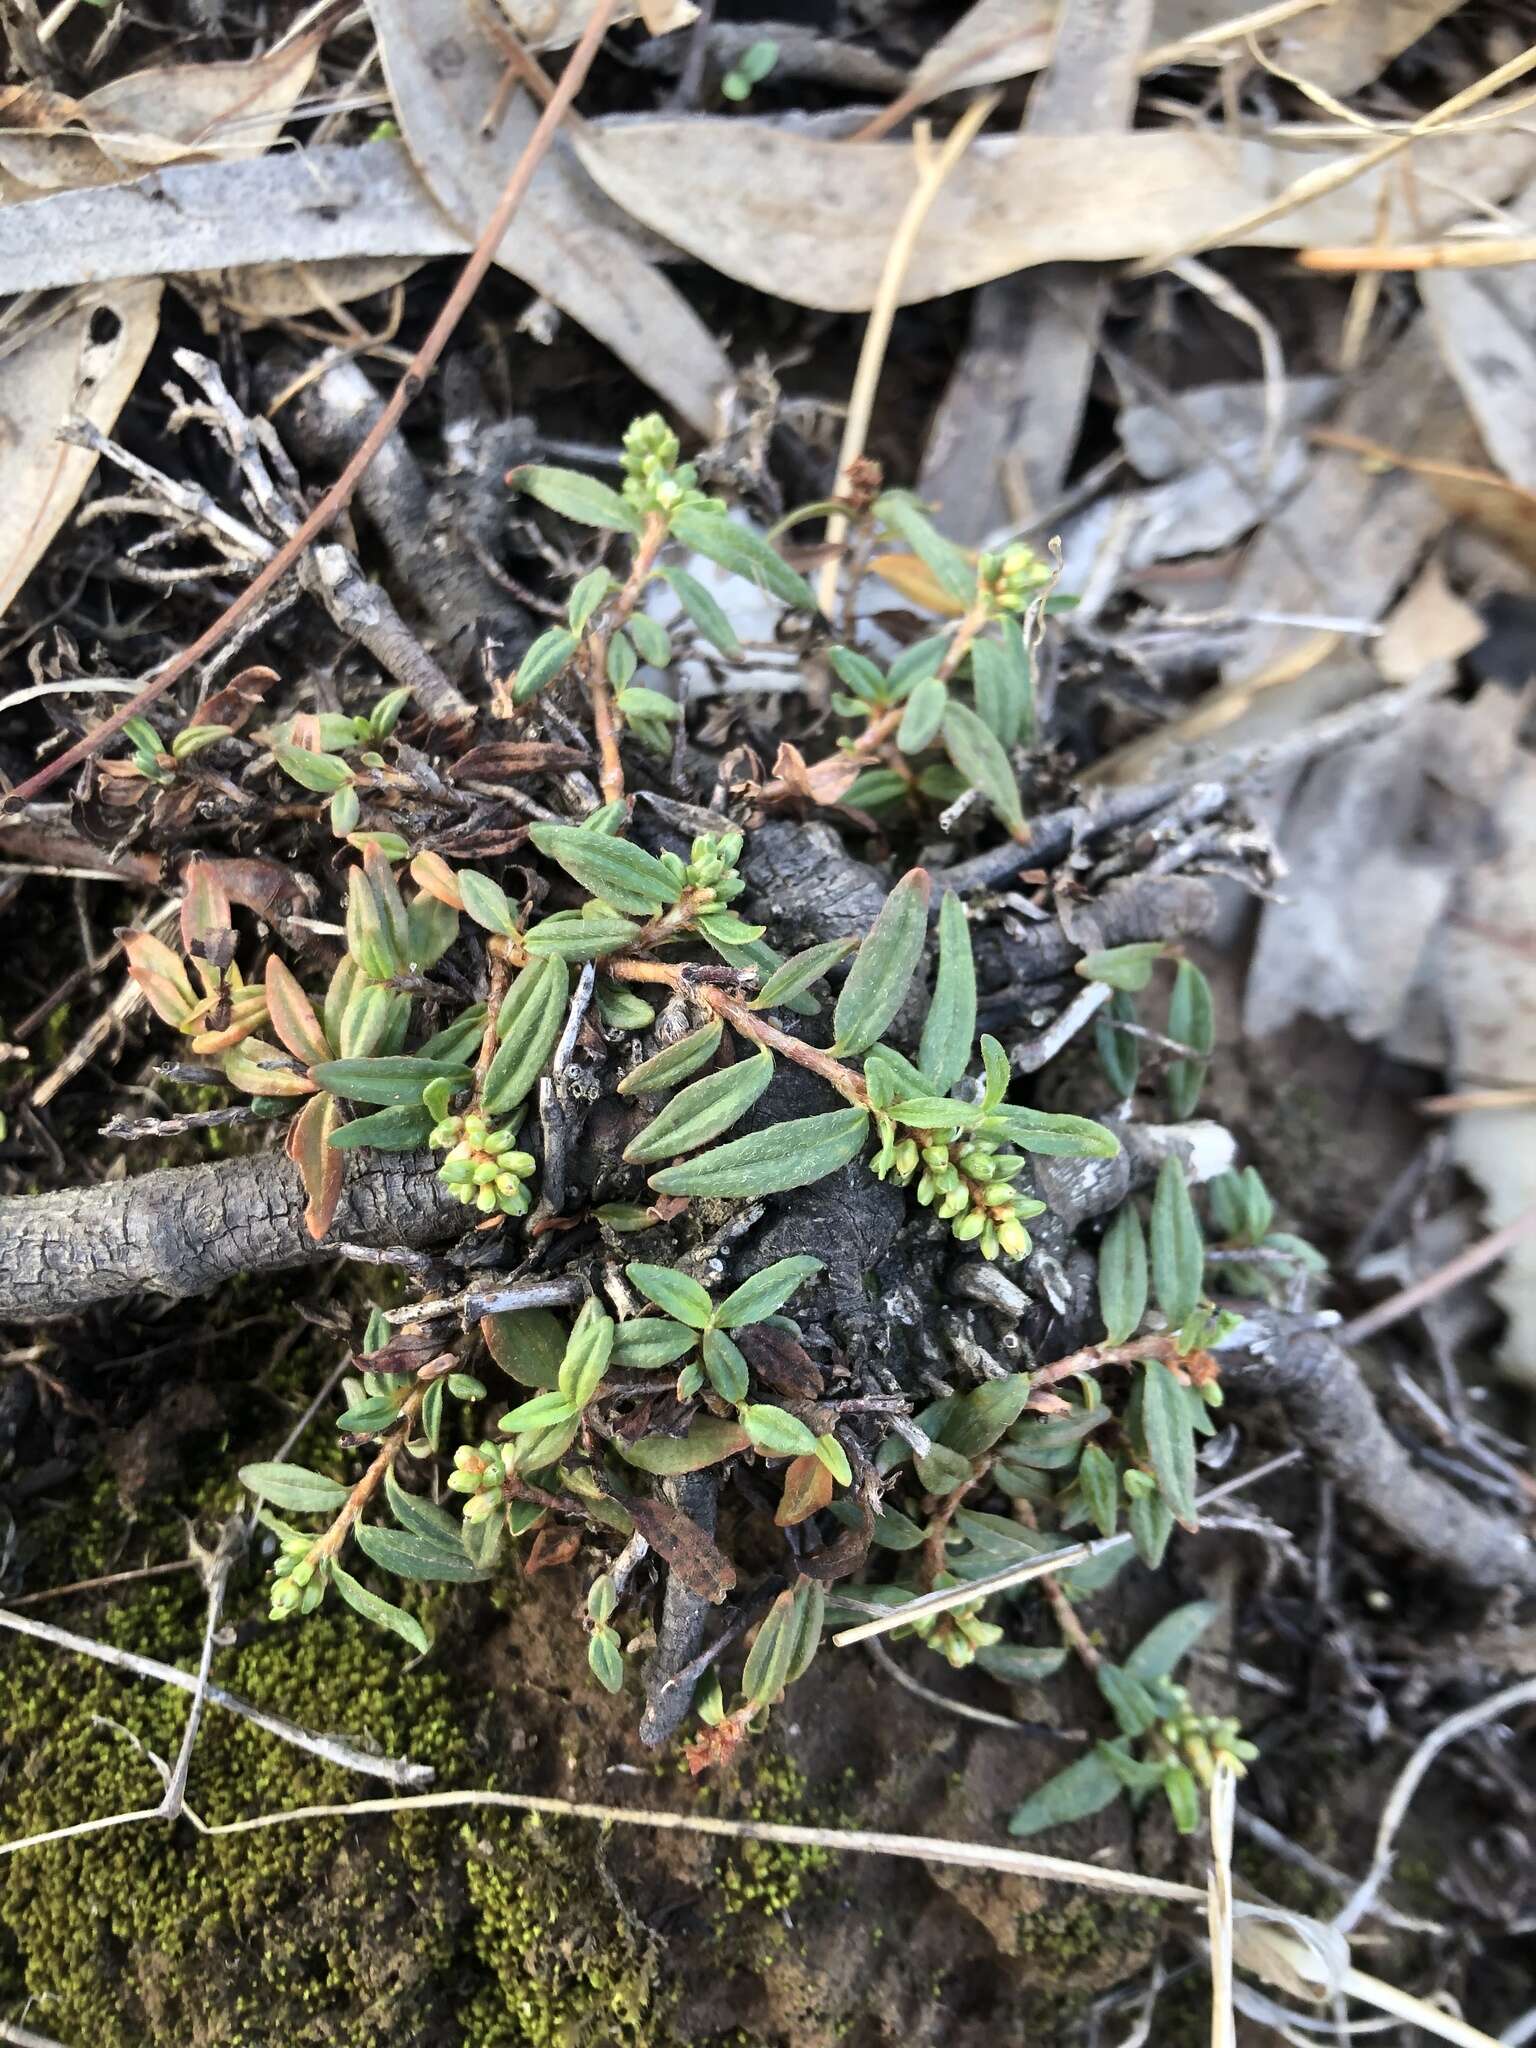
(1408, 1781)
(1476, 252)
(394, 1771)
(1219, 1907)
(1053, 1561)
(850, 1841)
(932, 170)
(339, 495)
(1486, 1252)
(147, 1571)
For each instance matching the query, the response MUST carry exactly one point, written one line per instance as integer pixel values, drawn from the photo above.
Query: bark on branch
(183, 1230)
(1333, 1412)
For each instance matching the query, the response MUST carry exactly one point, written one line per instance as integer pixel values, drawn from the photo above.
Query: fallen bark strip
(1332, 1411)
(182, 1230)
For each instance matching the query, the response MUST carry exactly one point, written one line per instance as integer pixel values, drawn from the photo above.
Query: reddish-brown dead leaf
(551, 1547)
(703, 1567)
(807, 1490)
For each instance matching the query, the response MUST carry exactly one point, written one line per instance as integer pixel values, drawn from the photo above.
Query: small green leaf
(884, 965)
(486, 902)
(380, 1612)
(835, 1458)
(573, 935)
(674, 1293)
(527, 1343)
(1080, 1791)
(547, 658)
(544, 1411)
(1123, 1275)
(412, 1556)
(726, 1367)
(941, 1470)
(807, 1616)
(605, 1660)
(530, 1023)
(1170, 1440)
(456, 1042)
(859, 673)
(402, 1129)
(983, 760)
(323, 773)
(1002, 678)
(294, 1487)
(420, 1516)
(704, 609)
(799, 971)
(1124, 967)
(1058, 1136)
(1163, 1649)
(702, 1110)
(980, 1417)
(949, 1029)
(646, 1343)
(586, 1357)
(622, 1011)
(1119, 1051)
(1183, 1797)
(1191, 1020)
(431, 928)
(652, 639)
(765, 1293)
(789, 1155)
(1020, 1663)
(1178, 1248)
(374, 1413)
(923, 716)
(775, 1432)
(621, 661)
(586, 595)
(708, 1441)
(626, 876)
(767, 1667)
(637, 702)
(745, 553)
(1150, 1520)
(674, 1063)
(914, 663)
(1133, 1707)
(397, 1079)
(575, 496)
(951, 566)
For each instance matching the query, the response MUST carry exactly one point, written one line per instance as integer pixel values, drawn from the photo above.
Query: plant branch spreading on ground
(656, 1377)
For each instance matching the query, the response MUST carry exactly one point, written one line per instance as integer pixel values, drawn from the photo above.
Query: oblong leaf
(1128, 968)
(923, 716)
(676, 1294)
(674, 1063)
(1123, 1275)
(725, 1367)
(884, 965)
(575, 936)
(423, 1517)
(486, 902)
(983, 760)
(1003, 681)
(1192, 1021)
(380, 1612)
(790, 1155)
(396, 1079)
(768, 1660)
(949, 1029)
(799, 971)
(293, 1015)
(1056, 1135)
(1081, 1790)
(626, 876)
(1119, 1051)
(322, 773)
(527, 1343)
(320, 1167)
(647, 1343)
(574, 495)
(905, 517)
(404, 1128)
(1164, 1648)
(1178, 1246)
(775, 1432)
(1100, 1484)
(411, 1555)
(709, 1439)
(745, 553)
(706, 613)
(1170, 1439)
(294, 1487)
(530, 1023)
(702, 1110)
(765, 1292)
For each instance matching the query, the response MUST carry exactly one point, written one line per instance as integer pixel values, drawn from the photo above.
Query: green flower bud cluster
(1011, 579)
(965, 1183)
(298, 1578)
(959, 1634)
(478, 1470)
(1204, 1741)
(711, 865)
(654, 479)
(482, 1167)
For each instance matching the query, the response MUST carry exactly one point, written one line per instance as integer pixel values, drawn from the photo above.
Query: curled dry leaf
(811, 220)
(87, 363)
(563, 243)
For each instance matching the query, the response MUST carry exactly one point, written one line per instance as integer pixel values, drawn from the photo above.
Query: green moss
(1082, 1935)
(769, 1879)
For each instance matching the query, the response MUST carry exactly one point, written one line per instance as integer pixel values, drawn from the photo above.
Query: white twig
(1219, 1907)
(1408, 1782)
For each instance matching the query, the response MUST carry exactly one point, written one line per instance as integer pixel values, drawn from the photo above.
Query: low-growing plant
(656, 1375)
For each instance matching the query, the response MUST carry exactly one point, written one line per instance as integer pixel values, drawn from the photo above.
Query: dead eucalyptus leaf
(811, 219)
(86, 363)
(445, 71)
(152, 117)
(286, 291)
(556, 24)
(992, 40)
